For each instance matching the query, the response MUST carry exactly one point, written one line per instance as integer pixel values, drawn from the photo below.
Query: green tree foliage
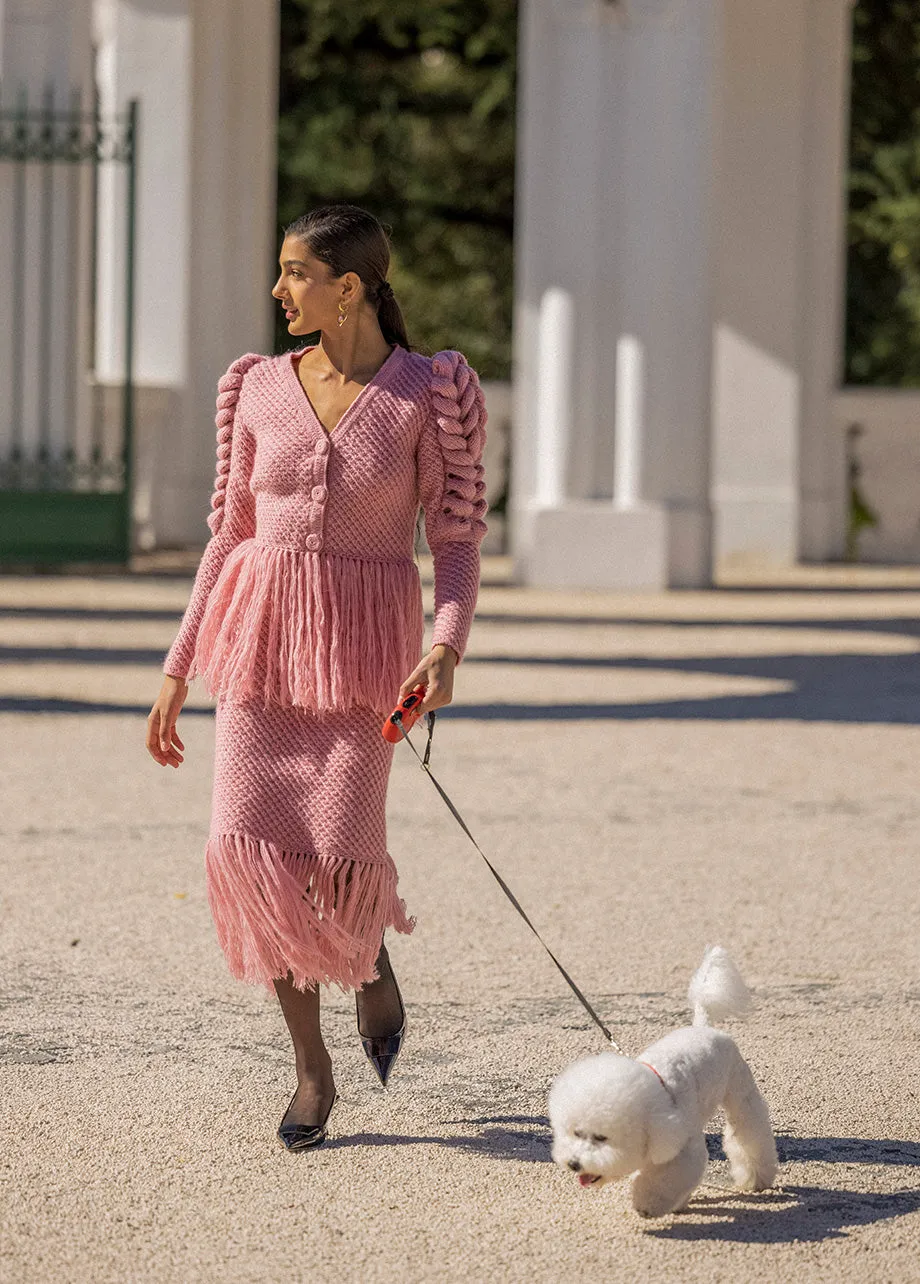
(406, 107)
(883, 277)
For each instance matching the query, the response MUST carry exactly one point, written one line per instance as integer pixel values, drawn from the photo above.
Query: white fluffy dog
(612, 1116)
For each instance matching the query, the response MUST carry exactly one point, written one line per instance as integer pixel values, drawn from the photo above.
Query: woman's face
(307, 290)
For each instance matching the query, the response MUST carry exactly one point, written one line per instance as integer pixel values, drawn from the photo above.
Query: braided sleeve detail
(452, 490)
(228, 392)
(459, 412)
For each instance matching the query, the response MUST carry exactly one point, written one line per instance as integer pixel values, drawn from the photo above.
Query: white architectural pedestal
(574, 544)
(679, 259)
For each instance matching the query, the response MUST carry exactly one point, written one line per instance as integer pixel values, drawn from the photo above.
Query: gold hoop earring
(343, 314)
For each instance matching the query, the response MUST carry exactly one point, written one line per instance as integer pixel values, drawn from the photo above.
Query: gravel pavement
(651, 773)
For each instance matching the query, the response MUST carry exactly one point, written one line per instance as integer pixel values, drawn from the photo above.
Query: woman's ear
(667, 1134)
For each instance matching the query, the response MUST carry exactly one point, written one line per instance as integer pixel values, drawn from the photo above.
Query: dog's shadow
(807, 1214)
(804, 1214)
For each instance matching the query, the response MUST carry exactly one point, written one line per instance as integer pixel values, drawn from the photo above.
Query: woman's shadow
(524, 1138)
(789, 1212)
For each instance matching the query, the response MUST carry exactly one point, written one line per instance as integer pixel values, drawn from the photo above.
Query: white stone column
(823, 516)
(564, 140)
(232, 262)
(205, 73)
(778, 469)
(628, 423)
(145, 53)
(614, 177)
(554, 401)
(757, 385)
(664, 181)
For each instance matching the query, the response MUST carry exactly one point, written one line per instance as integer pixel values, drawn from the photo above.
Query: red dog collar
(659, 1078)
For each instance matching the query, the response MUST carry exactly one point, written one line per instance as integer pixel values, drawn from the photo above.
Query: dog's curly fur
(612, 1116)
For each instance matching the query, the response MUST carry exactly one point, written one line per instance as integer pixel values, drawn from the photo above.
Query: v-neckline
(365, 395)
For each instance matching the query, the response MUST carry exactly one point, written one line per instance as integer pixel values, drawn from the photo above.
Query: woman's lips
(290, 313)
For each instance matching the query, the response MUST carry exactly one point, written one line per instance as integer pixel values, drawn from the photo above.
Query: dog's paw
(649, 1205)
(751, 1170)
(656, 1192)
(751, 1178)
(649, 1211)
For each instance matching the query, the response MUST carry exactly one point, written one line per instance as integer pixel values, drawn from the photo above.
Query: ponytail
(390, 317)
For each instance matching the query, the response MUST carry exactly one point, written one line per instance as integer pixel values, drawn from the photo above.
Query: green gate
(67, 198)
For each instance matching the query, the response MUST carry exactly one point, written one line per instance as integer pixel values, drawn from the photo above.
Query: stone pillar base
(756, 531)
(592, 545)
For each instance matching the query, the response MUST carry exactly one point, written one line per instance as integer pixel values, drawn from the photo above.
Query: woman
(305, 620)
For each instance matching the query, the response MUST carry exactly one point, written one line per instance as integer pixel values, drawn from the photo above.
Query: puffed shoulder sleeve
(232, 516)
(453, 493)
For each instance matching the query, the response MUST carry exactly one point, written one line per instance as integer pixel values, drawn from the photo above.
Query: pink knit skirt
(298, 875)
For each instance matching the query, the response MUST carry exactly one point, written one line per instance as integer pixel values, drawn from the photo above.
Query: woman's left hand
(436, 671)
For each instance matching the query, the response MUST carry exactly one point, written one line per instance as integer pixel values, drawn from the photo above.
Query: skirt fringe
(278, 912)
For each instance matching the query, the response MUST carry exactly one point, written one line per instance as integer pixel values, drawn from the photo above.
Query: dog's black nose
(575, 1165)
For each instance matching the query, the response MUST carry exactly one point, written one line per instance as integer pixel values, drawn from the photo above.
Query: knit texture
(304, 619)
(307, 593)
(299, 878)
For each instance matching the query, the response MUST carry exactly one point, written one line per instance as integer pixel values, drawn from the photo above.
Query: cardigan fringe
(316, 630)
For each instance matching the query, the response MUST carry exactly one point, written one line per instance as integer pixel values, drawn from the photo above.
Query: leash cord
(424, 764)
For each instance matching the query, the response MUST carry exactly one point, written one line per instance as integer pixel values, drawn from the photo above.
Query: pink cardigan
(307, 592)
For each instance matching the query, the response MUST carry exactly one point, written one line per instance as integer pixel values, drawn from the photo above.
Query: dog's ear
(667, 1134)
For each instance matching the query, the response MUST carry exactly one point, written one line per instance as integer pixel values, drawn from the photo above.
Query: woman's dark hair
(350, 239)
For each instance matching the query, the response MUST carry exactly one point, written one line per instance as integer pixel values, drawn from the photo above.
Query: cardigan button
(322, 446)
(320, 494)
(314, 543)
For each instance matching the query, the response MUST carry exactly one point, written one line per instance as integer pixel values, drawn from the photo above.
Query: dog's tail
(717, 990)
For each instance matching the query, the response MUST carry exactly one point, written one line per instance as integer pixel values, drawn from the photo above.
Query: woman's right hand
(163, 740)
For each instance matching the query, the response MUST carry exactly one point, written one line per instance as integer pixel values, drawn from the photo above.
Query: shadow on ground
(526, 1142)
(800, 1214)
(832, 687)
(807, 1214)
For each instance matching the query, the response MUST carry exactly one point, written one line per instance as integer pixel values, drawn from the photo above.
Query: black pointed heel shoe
(297, 1137)
(383, 1050)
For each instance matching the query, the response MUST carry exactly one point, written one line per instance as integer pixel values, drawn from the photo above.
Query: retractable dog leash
(397, 726)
